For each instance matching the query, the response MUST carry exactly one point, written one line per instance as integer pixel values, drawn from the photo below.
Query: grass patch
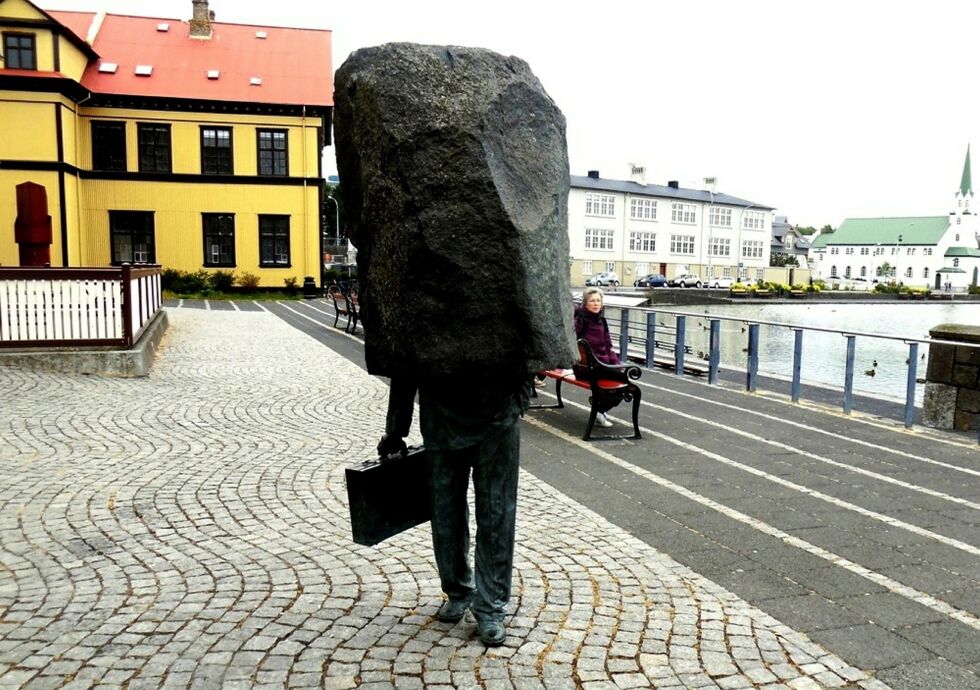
(259, 296)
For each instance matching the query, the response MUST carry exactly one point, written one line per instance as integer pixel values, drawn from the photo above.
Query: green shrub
(248, 281)
(222, 281)
(290, 284)
(169, 279)
(973, 290)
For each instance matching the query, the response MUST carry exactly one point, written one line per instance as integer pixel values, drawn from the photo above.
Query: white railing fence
(62, 307)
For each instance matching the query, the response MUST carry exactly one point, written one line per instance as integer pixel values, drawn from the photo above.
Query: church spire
(966, 185)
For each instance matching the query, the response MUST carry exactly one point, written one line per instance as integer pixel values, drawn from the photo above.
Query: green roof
(962, 251)
(966, 185)
(820, 241)
(897, 231)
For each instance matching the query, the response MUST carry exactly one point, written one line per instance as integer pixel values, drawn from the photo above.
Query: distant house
(788, 241)
(192, 144)
(928, 251)
(634, 228)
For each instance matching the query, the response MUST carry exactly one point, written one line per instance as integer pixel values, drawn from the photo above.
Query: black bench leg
(588, 429)
(636, 413)
(558, 383)
(336, 317)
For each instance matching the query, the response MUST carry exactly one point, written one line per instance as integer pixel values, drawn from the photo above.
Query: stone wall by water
(952, 396)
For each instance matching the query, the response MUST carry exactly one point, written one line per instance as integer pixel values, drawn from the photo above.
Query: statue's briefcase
(388, 495)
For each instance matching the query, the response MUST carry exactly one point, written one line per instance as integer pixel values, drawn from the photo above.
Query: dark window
(132, 237)
(108, 146)
(216, 151)
(19, 51)
(219, 239)
(273, 152)
(273, 241)
(154, 146)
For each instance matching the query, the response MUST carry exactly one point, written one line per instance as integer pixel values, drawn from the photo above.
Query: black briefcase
(388, 495)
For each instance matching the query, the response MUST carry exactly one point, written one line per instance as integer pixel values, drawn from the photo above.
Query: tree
(783, 260)
(805, 230)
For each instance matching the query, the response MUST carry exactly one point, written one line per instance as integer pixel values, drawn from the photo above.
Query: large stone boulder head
(454, 172)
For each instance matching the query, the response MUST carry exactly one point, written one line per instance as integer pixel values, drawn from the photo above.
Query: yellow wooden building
(192, 144)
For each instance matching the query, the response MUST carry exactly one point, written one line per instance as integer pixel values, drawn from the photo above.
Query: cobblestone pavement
(190, 530)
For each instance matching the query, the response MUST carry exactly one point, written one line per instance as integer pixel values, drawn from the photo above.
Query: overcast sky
(823, 110)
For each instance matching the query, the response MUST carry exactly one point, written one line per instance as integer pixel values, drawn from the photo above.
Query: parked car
(605, 278)
(685, 280)
(650, 280)
(719, 282)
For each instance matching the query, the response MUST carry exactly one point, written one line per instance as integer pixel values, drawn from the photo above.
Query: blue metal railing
(651, 332)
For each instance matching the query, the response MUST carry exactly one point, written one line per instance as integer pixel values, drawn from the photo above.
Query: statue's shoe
(492, 633)
(453, 610)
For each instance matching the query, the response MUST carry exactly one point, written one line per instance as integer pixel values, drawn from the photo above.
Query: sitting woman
(591, 325)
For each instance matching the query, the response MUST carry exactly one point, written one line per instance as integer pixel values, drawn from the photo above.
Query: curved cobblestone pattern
(190, 530)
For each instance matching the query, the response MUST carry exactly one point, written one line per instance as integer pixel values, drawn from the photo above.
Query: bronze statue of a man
(455, 181)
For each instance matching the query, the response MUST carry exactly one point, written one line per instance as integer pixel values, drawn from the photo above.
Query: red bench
(609, 385)
(344, 304)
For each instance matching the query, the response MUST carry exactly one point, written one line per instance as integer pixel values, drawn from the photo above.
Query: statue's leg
(450, 520)
(495, 471)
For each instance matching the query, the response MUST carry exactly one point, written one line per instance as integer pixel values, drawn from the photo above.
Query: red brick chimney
(201, 19)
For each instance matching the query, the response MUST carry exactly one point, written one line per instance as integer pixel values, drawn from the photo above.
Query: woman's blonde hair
(589, 292)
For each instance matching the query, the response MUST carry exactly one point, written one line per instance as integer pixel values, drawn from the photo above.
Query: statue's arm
(398, 422)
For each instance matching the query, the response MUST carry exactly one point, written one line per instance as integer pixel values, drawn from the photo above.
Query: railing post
(127, 302)
(651, 338)
(797, 362)
(624, 334)
(849, 375)
(910, 385)
(714, 350)
(679, 345)
(752, 371)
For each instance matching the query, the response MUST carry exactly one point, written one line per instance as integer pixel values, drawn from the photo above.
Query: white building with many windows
(924, 251)
(634, 229)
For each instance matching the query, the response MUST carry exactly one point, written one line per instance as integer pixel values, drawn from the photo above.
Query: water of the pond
(824, 354)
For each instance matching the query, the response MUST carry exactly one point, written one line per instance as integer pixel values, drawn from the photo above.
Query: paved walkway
(190, 530)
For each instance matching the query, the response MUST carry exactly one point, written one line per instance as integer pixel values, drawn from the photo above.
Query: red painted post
(127, 308)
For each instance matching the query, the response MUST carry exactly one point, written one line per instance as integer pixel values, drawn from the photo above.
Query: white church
(931, 251)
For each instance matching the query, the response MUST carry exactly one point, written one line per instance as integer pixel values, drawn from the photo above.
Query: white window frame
(864, 251)
(610, 267)
(686, 214)
(644, 242)
(908, 272)
(719, 246)
(925, 272)
(641, 268)
(719, 217)
(587, 267)
(927, 251)
(643, 209)
(753, 220)
(682, 244)
(602, 205)
(752, 249)
(599, 239)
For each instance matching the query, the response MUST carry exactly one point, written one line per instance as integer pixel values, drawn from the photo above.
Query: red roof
(294, 65)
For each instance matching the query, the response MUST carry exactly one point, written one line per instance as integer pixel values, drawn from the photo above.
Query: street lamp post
(709, 182)
(337, 226)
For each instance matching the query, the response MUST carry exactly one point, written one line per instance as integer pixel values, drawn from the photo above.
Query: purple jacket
(595, 330)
